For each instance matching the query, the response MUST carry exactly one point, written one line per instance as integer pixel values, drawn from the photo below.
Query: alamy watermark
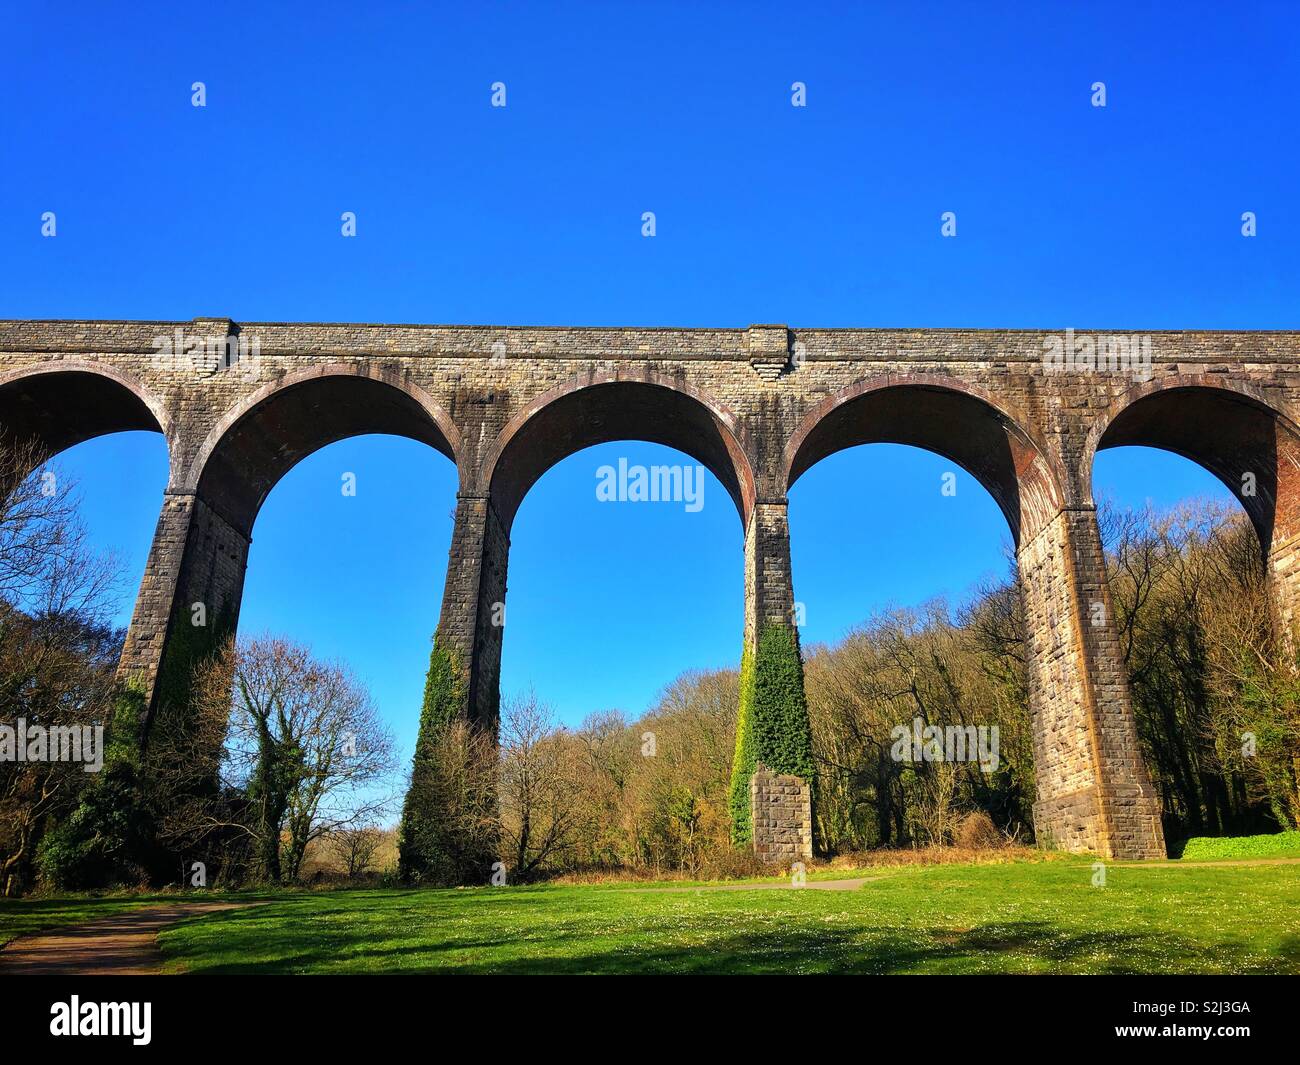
(77, 1018)
(56, 743)
(919, 742)
(1071, 352)
(651, 484)
(208, 354)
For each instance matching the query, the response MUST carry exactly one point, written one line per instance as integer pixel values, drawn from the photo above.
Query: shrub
(111, 836)
(976, 831)
(107, 840)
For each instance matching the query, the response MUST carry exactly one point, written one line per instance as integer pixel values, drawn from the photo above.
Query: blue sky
(1068, 215)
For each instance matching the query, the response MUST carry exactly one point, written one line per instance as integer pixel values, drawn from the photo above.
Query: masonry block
(781, 806)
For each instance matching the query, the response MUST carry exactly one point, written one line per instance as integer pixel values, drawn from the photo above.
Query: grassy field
(1023, 917)
(1033, 917)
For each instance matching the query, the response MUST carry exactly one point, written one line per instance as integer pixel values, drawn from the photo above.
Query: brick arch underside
(1229, 435)
(63, 408)
(292, 423)
(616, 410)
(960, 427)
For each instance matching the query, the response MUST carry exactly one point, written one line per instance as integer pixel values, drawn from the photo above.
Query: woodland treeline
(276, 753)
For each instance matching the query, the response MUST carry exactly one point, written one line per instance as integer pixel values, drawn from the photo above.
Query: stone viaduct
(757, 406)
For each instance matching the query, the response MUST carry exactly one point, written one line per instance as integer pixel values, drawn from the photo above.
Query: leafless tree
(355, 847)
(540, 786)
(304, 746)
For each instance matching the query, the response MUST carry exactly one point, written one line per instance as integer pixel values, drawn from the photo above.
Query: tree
(947, 669)
(540, 787)
(305, 747)
(449, 817)
(56, 671)
(355, 847)
(679, 794)
(1213, 679)
(450, 824)
(58, 650)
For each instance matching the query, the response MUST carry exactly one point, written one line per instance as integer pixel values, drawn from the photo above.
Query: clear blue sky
(1068, 215)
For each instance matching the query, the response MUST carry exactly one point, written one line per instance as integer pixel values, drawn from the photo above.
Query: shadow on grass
(249, 941)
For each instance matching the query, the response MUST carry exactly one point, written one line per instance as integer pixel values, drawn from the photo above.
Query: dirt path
(816, 885)
(124, 945)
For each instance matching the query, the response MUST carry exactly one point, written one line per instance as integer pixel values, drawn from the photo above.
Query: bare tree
(46, 563)
(540, 786)
(355, 847)
(305, 747)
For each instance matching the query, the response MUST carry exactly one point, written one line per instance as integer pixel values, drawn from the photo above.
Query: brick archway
(943, 415)
(1252, 438)
(200, 551)
(594, 409)
(1235, 431)
(72, 401)
(266, 434)
(607, 407)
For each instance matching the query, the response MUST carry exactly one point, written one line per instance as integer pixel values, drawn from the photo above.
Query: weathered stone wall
(769, 588)
(142, 651)
(193, 579)
(781, 806)
(757, 405)
(1094, 792)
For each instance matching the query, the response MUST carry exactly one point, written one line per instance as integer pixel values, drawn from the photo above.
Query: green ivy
(126, 728)
(425, 853)
(109, 837)
(746, 758)
(772, 725)
(781, 729)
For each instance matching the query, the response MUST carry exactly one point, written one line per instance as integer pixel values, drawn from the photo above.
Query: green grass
(1277, 845)
(1034, 917)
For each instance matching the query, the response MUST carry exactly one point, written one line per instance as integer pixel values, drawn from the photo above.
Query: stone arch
(66, 403)
(948, 417)
(604, 408)
(578, 414)
(266, 434)
(200, 550)
(1091, 791)
(1229, 428)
